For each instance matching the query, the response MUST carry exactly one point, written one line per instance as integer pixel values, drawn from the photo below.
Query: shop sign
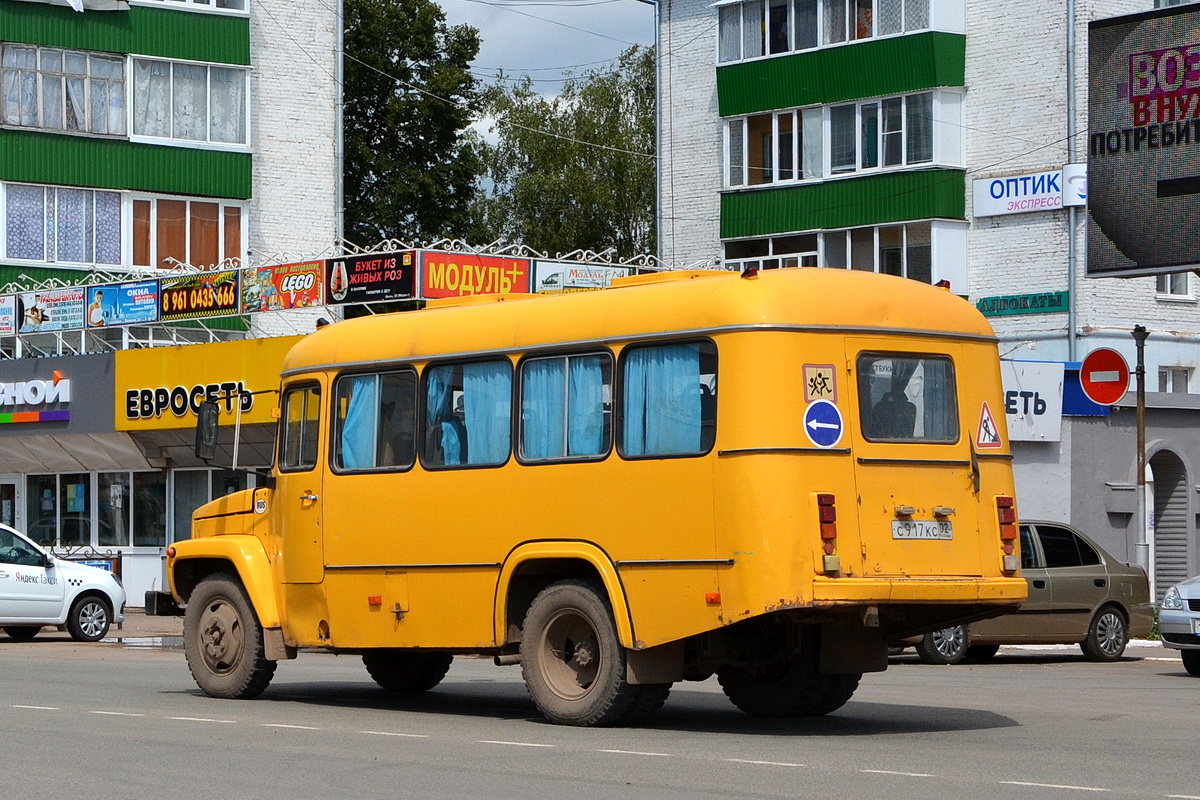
(1018, 194)
(163, 387)
(208, 294)
(560, 277)
(283, 286)
(458, 274)
(371, 279)
(122, 304)
(8, 315)
(22, 401)
(50, 310)
(1036, 303)
(1033, 400)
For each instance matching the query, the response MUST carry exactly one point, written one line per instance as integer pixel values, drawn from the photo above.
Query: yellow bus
(762, 476)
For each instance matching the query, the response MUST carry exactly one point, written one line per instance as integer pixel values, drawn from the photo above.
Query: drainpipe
(658, 118)
(1073, 211)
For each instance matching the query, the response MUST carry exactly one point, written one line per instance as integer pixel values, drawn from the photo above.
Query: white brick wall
(293, 105)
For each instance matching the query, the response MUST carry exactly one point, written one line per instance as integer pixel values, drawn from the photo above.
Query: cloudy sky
(546, 38)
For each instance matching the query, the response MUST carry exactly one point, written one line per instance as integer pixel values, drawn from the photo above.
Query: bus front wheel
(223, 640)
(407, 670)
(572, 661)
(793, 688)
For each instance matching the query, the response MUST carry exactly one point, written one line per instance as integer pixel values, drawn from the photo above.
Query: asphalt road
(121, 721)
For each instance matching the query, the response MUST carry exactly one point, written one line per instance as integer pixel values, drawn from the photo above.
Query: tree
(576, 171)
(411, 167)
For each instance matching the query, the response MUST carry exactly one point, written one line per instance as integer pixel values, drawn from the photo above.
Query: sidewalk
(137, 625)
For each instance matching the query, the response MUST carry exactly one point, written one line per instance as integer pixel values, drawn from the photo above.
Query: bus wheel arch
(531, 568)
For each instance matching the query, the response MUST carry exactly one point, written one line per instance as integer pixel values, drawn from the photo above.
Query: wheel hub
(585, 654)
(221, 637)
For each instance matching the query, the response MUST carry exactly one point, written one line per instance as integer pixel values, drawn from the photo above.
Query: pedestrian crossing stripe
(988, 435)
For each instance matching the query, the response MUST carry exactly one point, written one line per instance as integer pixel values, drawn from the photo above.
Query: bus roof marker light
(750, 272)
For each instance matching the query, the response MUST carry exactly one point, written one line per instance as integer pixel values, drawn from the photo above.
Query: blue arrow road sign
(823, 423)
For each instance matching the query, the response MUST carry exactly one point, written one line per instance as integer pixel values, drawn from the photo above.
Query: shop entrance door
(10, 502)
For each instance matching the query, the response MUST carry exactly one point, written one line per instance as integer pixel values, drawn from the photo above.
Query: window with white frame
(1173, 285)
(200, 5)
(189, 102)
(1174, 379)
(203, 233)
(771, 27)
(905, 250)
(62, 90)
(812, 143)
(58, 224)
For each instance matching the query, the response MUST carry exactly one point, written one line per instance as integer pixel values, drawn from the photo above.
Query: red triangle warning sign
(988, 435)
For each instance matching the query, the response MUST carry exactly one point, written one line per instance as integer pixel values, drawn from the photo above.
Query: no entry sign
(1104, 376)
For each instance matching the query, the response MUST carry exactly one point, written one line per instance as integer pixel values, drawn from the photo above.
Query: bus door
(912, 449)
(297, 497)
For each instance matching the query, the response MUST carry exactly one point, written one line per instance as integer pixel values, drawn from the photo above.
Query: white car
(1179, 622)
(37, 589)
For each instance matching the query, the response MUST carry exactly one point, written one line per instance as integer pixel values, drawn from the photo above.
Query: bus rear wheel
(223, 640)
(793, 688)
(407, 670)
(573, 663)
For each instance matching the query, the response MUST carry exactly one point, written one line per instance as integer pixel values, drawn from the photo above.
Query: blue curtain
(358, 429)
(441, 416)
(542, 410)
(662, 400)
(585, 404)
(487, 391)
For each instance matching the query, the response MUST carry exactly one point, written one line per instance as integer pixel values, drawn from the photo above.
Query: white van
(37, 589)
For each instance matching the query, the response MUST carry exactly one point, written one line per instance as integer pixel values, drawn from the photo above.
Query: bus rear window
(907, 398)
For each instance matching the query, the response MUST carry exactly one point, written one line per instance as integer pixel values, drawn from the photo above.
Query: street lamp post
(1142, 548)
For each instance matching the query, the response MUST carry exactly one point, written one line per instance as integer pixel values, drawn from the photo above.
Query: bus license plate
(921, 529)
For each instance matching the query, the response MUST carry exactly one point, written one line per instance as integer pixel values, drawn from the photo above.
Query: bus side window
(662, 410)
(563, 407)
(482, 434)
(376, 422)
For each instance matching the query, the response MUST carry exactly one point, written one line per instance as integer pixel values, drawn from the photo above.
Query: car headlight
(1172, 600)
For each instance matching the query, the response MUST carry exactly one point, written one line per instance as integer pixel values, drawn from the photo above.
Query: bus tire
(571, 660)
(223, 640)
(945, 646)
(794, 688)
(407, 670)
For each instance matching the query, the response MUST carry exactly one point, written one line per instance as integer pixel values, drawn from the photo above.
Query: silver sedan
(1179, 622)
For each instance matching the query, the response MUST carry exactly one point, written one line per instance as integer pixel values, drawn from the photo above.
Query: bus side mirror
(206, 430)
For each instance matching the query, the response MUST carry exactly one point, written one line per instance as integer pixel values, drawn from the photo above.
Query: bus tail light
(1006, 515)
(827, 515)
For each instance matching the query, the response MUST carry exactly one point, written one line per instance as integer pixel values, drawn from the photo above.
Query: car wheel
(89, 619)
(1191, 661)
(982, 652)
(1107, 635)
(947, 646)
(22, 633)
(223, 640)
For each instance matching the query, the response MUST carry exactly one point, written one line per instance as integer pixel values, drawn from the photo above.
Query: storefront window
(75, 506)
(41, 515)
(149, 509)
(113, 509)
(191, 492)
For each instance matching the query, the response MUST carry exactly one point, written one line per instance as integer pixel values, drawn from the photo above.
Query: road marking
(116, 713)
(39, 708)
(202, 719)
(635, 753)
(1184, 796)
(1056, 786)
(390, 733)
(764, 763)
(893, 772)
(293, 727)
(515, 744)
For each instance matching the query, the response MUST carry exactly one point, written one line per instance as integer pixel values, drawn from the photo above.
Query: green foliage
(411, 165)
(576, 171)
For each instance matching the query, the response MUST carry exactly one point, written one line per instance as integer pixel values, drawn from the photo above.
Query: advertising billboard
(371, 279)
(122, 304)
(560, 277)
(8, 315)
(283, 286)
(50, 310)
(1143, 177)
(458, 274)
(209, 294)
